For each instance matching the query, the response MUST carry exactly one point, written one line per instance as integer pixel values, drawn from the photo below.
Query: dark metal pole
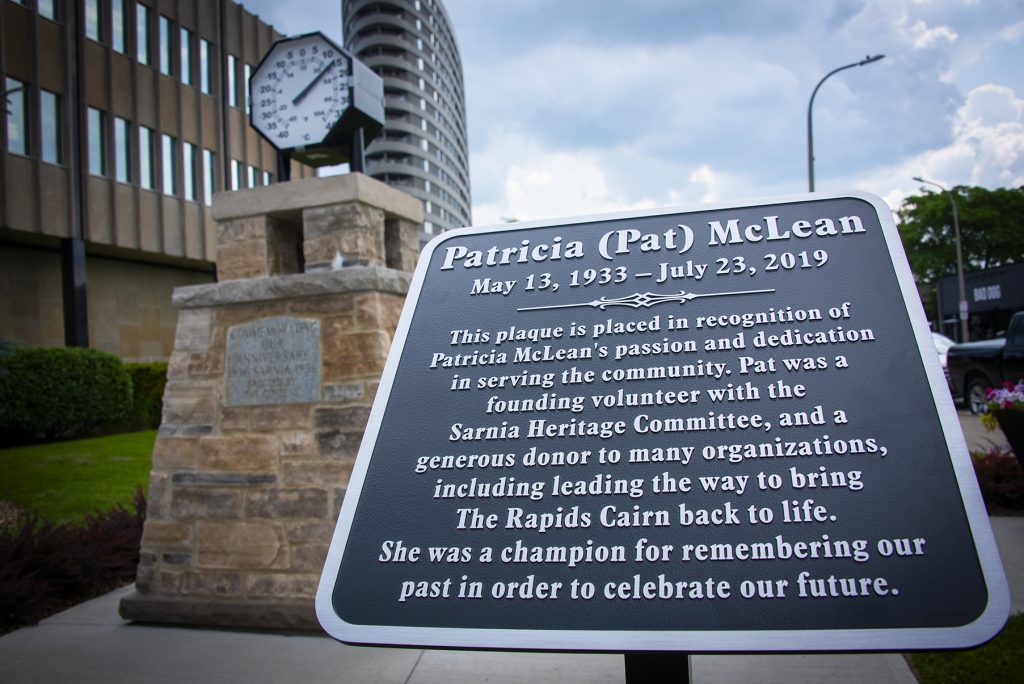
(76, 320)
(76, 312)
(284, 167)
(810, 134)
(357, 153)
(643, 667)
(960, 284)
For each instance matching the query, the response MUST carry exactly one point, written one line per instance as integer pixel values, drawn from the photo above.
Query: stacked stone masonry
(243, 498)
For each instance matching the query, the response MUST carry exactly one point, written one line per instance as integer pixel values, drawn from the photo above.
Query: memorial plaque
(714, 430)
(273, 361)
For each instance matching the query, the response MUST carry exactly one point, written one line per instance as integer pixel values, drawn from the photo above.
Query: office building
(423, 147)
(123, 118)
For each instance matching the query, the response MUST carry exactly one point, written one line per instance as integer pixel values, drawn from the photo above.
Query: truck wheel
(975, 395)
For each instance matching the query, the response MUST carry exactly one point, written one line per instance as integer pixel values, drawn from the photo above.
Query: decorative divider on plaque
(271, 380)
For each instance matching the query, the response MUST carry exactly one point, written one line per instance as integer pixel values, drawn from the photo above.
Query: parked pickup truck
(975, 366)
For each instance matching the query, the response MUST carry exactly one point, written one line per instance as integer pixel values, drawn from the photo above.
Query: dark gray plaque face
(714, 430)
(274, 361)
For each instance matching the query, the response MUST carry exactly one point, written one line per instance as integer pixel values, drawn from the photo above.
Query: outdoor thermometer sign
(308, 95)
(719, 429)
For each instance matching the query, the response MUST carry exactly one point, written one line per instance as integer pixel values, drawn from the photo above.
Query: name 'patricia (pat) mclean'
(623, 240)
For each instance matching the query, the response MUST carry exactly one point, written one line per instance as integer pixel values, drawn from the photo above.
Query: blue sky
(588, 106)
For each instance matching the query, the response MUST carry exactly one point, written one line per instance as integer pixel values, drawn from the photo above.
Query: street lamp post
(961, 287)
(810, 137)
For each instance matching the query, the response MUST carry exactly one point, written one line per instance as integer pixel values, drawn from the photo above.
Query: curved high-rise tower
(422, 149)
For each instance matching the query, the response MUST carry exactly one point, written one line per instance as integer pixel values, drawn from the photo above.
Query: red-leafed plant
(46, 567)
(1001, 480)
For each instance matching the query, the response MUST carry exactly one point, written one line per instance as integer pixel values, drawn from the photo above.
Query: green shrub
(61, 391)
(7, 348)
(148, 381)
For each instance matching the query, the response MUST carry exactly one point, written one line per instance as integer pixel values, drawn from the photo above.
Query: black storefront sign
(993, 290)
(714, 430)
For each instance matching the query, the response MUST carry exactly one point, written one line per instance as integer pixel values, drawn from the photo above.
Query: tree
(991, 230)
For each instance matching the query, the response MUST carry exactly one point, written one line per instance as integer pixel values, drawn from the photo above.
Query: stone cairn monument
(269, 388)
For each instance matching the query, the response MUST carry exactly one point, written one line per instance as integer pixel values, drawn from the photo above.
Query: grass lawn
(1000, 660)
(63, 481)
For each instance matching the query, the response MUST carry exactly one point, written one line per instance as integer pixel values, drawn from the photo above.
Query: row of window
(191, 62)
(47, 8)
(128, 141)
(50, 121)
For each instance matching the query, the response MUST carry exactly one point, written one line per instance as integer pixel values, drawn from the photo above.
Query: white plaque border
(981, 630)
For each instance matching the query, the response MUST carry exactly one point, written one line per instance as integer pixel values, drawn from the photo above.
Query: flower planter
(1011, 422)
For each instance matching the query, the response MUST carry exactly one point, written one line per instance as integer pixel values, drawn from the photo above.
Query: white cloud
(925, 37)
(1011, 33)
(538, 183)
(991, 123)
(705, 176)
(987, 149)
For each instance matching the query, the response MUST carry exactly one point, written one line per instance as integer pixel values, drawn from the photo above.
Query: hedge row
(55, 393)
(148, 381)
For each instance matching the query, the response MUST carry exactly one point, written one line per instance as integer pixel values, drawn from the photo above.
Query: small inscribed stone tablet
(274, 361)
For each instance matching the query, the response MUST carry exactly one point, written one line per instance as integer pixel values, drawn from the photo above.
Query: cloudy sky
(587, 106)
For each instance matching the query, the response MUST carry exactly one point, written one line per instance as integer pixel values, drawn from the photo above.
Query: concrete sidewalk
(91, 644)
(977, 436)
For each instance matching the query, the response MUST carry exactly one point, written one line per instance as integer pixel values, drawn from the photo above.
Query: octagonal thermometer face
(299, 91)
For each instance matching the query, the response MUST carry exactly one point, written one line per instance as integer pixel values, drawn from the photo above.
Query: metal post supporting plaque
(646, 668)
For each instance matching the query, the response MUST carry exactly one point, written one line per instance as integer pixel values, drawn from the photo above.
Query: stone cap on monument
(313, 225)
(287, 200)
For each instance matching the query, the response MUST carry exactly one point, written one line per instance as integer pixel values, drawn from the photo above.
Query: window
(122, 150)
(117, 27)
(169, 177)
(254, 177)
(236, 175)
(232, 84)
(245, 85)
(92, 19)
(48, 9)
(50, 126)
(186, 56)
(17, 116)
(209, 176)
(146, 173)
(141, 33)
(205, 66)
(188, 169)
(268, 178)
(97, 142)
(166, 61)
